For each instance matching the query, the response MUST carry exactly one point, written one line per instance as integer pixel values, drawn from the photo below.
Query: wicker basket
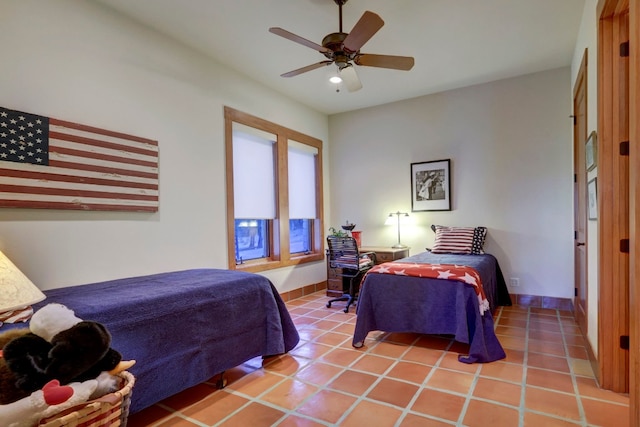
(109, 410)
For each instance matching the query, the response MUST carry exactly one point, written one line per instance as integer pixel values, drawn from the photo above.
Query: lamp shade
(16, 290)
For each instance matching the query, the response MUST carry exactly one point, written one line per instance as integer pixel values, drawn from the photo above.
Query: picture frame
(592, 197)
(591, 151)
(431, 186)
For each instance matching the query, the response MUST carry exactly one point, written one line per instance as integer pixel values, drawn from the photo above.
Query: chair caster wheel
(328, 305)
(346, 310)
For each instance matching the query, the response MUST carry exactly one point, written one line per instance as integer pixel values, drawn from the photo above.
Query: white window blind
(302, 181)
(253, 174)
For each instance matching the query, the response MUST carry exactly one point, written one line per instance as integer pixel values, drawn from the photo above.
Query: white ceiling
(455, 43)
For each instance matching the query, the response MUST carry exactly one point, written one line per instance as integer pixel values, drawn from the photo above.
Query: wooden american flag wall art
(54, 164)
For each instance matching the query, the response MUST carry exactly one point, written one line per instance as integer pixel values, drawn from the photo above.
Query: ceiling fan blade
(350, 79)
(365, 28)
(385, 61)
(307, 68)
(295, 38)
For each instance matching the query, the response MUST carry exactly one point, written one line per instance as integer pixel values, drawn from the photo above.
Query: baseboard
(305, 290)
(539, 301)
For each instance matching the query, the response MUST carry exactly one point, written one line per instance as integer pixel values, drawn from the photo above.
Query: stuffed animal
(59, 346)
(47, 402)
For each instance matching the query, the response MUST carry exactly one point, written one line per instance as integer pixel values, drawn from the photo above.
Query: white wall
(588, 39)
(76, 61)
(511, 167)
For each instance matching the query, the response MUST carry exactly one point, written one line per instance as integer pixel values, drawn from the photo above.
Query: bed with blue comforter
(184, 327)
(401, 303)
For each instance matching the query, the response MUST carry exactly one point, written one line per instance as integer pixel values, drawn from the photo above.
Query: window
(274, 194)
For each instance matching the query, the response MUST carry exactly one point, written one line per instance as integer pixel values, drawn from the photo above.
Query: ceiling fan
(343, 49)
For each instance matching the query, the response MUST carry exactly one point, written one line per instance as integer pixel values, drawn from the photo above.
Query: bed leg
(222, 381)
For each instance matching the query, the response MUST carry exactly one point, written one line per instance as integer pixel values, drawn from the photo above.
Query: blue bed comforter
(184, 327)
(435, 306)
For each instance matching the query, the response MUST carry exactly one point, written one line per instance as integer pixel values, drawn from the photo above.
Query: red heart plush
(55, 394)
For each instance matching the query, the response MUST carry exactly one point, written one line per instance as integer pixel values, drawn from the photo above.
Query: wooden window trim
(279, 228)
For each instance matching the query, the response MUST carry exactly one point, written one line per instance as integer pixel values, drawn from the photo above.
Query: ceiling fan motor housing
(333, 42)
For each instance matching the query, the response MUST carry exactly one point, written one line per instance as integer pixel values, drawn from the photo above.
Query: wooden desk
(335, 282)
(386, 254)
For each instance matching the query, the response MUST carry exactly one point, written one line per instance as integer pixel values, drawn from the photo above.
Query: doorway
(579, 196)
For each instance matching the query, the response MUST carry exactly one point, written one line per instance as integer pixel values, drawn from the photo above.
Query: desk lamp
(390, 220)
(17, 293)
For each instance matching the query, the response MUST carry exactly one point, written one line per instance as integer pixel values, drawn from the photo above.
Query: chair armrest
(371, 255)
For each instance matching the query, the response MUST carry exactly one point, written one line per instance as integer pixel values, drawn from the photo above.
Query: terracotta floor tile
(404, 379)
(577, 352)
(394, 392)
(587, 387)
(298, 421)
(546, 347)
(516, 343)
(548, 379)
(538, 420)
(353, 382)
(450, 380)
(402, 338)
(285, 364)
(255, 415)
(605, 413)
(514, 356)
(450, 361)
(409, 371)
(365, 412)
(504, 371)
(412, 420)
(176, 421)
(289, 394)
(326, 405)
(309, 334)
(423, 355)
(483, 414)
(498, 391)
(508, 321)
(318, 373)
(326, 325)
(216, 407)
(389, 349)
(255, 383)
(439, 404)
(551, 402)
(545, 361)
(511, 331)
(149, 416)
(189, 396)
(345, 328)
(371, 363)
(551, 337)
(340, 356)
(332, 338)
(311, 350)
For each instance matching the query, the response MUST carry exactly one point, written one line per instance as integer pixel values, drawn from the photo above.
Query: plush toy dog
(59, 346)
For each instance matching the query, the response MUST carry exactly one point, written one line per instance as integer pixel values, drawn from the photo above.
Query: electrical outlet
(514, 282)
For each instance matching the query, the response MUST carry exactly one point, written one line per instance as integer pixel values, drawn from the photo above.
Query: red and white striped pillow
(459, 240)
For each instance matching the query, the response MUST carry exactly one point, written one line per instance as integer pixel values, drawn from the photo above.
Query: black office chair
(345, 257)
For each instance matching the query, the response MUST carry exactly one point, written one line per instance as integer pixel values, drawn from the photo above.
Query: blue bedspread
(184, 327)
(434, 306)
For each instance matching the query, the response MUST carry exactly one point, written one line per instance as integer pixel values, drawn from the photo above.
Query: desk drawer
(383, 257)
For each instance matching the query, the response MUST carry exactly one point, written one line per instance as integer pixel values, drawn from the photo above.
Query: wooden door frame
(634, 208)
(580, 133)
(619, 280)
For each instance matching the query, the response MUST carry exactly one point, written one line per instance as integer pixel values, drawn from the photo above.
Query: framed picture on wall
(592, 192)
(431, 186)
(591, 151)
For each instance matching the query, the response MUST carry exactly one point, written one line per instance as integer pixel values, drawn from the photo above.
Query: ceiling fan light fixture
(335, 79)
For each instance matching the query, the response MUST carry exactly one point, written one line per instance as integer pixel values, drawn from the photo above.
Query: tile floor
(404, 380)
